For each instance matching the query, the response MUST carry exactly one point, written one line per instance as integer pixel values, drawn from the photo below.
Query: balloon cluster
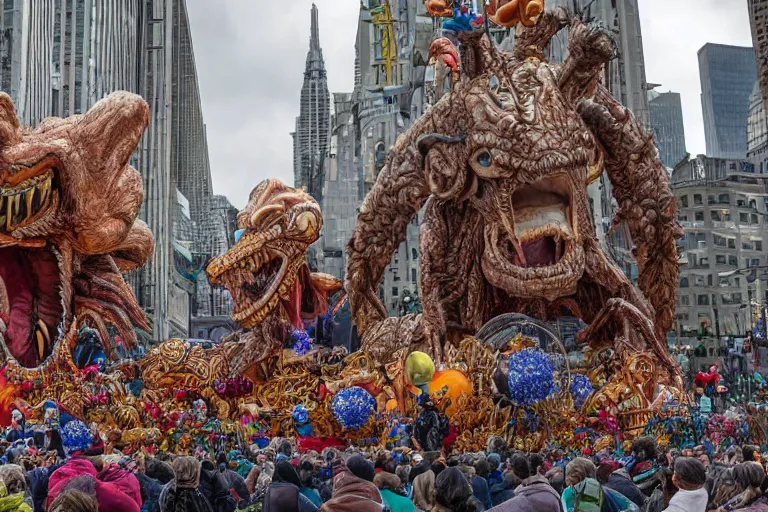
(531, 377)
(581, 388)
(352, 407)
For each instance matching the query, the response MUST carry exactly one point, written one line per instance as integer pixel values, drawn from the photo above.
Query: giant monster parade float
(499, 166)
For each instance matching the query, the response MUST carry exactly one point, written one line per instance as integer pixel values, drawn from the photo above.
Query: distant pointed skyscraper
(311, 137)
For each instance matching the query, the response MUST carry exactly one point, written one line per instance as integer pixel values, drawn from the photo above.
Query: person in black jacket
(37, 485)
(235, 481)
(430, 427)
(621, 482)
(215, 488)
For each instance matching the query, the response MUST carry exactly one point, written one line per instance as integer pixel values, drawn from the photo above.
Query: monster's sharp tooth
(44, 330)
(2, 211)
(9, 213)
(30, 195)
(45, 188)
(40, 343)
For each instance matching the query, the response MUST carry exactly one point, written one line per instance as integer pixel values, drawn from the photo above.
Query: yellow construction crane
(384, 25)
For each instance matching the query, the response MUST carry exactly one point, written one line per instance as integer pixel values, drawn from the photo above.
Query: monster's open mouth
(31, 307)
(542, 215)
(535, 248)
(254, 282)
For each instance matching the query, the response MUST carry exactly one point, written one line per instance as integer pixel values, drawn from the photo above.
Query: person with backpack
(585, 494)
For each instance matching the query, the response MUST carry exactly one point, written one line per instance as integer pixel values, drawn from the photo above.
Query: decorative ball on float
(531, 377)
(450, 384)
(420, 368)
(353, 407)
(581, 388)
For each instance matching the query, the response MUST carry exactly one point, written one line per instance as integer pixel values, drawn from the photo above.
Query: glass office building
(728, 74)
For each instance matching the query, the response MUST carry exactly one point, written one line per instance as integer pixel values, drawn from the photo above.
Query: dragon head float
(68, 228)
(266, 270)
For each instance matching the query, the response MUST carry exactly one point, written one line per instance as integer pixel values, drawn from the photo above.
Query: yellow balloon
(451, 384)
(419, 368)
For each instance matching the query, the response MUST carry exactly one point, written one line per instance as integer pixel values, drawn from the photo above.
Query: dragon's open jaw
(255, 283)
(544, 247)
(32, 311)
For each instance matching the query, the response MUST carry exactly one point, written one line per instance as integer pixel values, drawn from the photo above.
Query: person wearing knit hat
(361, 468)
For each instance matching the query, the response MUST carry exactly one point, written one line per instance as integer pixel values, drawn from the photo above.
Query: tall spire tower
(311, 138)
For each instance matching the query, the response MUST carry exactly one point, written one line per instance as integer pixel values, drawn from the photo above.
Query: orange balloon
(391, 405)
(456, 384)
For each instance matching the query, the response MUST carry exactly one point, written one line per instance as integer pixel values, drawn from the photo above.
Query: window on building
(697, 200)
(699, 216)
(733, 261)
(711, 352)
(724, 199)
(753, 219)
(682, 218)
(396, 278)
(747, 246)
(698, 281)
(731, 243)
(758, 245)
(413, 275)
(414, 254)
(755, 262)
(709, 280)
(683, 282)
(723, 282)
(743, 218)
(737, 282)
(685, 300)
(720, 259)
(395, 291)
(719, 241)
(702, 300)
(741, 200)
(684, 201)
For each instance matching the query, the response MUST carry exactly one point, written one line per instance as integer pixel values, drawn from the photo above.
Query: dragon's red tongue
(17, 280)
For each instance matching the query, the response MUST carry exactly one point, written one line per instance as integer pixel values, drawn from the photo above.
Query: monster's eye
(484, 158)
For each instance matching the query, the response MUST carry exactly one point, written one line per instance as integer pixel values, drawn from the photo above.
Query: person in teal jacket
(388, 485)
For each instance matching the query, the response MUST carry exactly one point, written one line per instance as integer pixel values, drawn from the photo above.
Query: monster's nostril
(484, 158)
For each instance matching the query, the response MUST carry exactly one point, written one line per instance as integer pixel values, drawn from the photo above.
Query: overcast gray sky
(251, 53)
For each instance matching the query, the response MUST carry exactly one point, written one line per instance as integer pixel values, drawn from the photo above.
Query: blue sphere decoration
(581, 388)
(301, 342)
(300, 414)
(353, 407)
(531, 377)
(76, 437)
